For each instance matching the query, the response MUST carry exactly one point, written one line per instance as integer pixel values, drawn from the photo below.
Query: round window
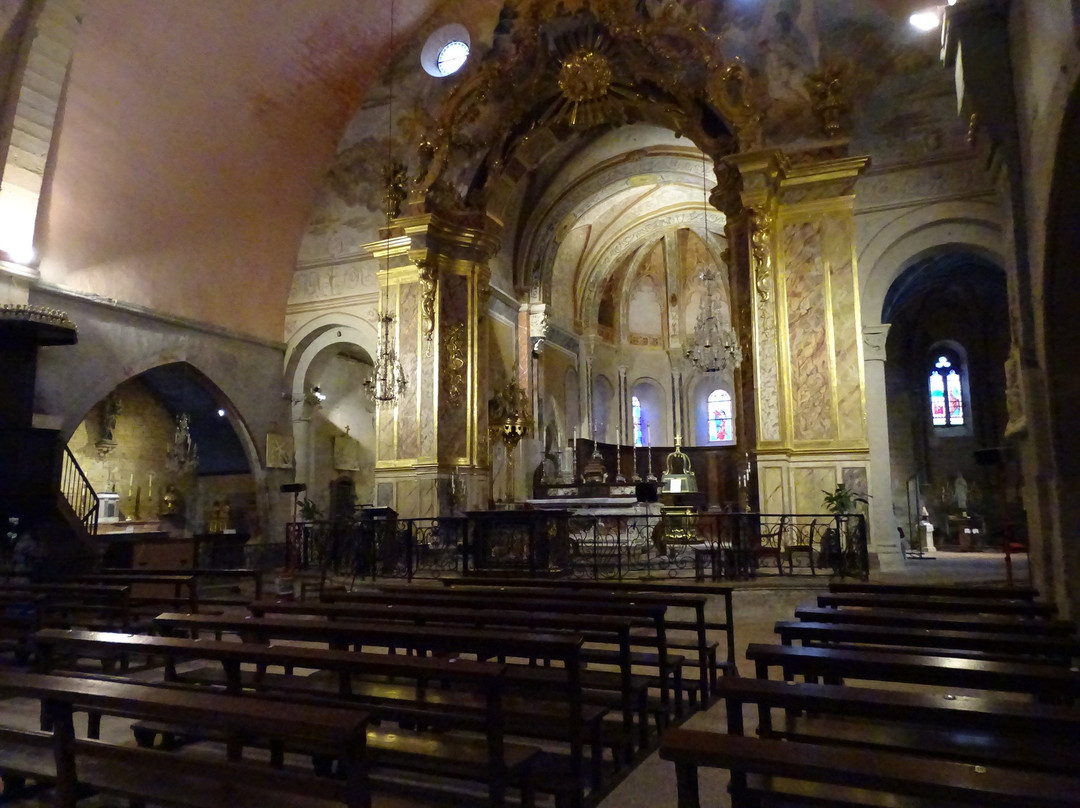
(452, 57)
(445, 51)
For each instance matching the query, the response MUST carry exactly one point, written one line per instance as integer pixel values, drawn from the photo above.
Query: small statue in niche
(960, 494)
(111, 408)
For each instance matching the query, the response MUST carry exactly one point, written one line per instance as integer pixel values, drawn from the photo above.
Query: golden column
(431, 453)
(798, 233)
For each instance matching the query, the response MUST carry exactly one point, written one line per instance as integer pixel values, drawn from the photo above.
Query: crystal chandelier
(182, 455)
(713, 346)
(388, 380)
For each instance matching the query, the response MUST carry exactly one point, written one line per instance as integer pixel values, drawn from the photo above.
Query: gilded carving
(760, 229)
(454, 373)
(395, 176)
(429, 280)
(585, 76)
(828, 99)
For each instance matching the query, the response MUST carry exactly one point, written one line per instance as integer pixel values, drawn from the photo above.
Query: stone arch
(363, 333)
(1057, 556)
(975, 227)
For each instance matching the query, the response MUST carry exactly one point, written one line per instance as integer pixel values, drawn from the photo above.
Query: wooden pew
(599, 628)
(1046, 682)
(482, 712)
(940, 604)
(936, 590)
(575, 722)
(726, 626)
(650, 615)
(185, 590)
(968, 644)
(696, 602)
(27, 607)
(779, 763)
(168, 779)
(905, 618)
(203, 576)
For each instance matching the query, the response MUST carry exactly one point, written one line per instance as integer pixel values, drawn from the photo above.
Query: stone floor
(757, 604)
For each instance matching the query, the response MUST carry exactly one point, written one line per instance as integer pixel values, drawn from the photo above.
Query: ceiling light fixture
(712, 347)
(388, 380)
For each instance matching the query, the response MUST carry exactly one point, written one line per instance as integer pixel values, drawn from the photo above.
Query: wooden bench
(173, 780)
(704, 649)
(203, 576)
(905, 618)
(27, 607)
(575, 722)
(1046, 682)
(962, 729)
(943, 605)
(429, 706)
(726, 626)
(968, 644)
(145, 587)
(600, 628)
(651, 615)
(783, 769)
(936, 590)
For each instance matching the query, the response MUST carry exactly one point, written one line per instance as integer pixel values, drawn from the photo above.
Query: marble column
(807, 364)
(437, 276)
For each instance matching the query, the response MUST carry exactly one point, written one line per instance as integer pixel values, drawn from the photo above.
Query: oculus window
(445, 51)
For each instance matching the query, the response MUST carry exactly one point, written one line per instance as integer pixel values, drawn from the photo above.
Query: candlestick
(150, 488)
(131, 482)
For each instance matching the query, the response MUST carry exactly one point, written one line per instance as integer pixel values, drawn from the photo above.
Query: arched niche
(655, 410)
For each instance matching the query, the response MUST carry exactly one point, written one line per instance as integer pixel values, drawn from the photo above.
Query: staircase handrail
(79, 493)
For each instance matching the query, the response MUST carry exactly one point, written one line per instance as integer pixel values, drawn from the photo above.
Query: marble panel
(849, 394)
(810, 484)
(772, 490)
(811, 388)
(408, 498)
(453, 434)
(768, 371)
(408, 353)
(384, 495)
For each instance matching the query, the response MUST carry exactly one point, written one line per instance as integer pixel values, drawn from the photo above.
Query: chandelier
(388, 380)
(713, 345)
(182, 455)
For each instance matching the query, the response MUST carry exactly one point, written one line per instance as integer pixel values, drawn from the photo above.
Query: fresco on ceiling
(900, 101)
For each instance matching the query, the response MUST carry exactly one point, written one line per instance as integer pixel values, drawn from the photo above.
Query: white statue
(960, 490)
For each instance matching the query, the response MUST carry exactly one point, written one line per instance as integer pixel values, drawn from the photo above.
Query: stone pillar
(807, 334)
(885, 541)
(437, 277)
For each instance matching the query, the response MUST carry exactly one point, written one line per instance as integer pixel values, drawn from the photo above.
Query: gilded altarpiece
(810, 404)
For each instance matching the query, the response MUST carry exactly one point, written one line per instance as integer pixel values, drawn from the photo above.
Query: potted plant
(840, 502)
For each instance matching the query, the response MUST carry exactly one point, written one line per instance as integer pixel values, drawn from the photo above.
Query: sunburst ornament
(590, 91)
(585, 76)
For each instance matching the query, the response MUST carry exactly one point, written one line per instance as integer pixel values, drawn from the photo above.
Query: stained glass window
(720, 420)
(639, 424)
(946, 394)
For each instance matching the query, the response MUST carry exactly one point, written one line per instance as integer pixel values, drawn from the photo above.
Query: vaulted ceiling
(195, 134)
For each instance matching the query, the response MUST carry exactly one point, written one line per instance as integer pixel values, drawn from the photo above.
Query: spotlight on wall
(221, 413)
(925, 20)
(315, 391)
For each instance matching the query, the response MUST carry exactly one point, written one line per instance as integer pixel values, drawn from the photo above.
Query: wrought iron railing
(639, 545)
(78, 492)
